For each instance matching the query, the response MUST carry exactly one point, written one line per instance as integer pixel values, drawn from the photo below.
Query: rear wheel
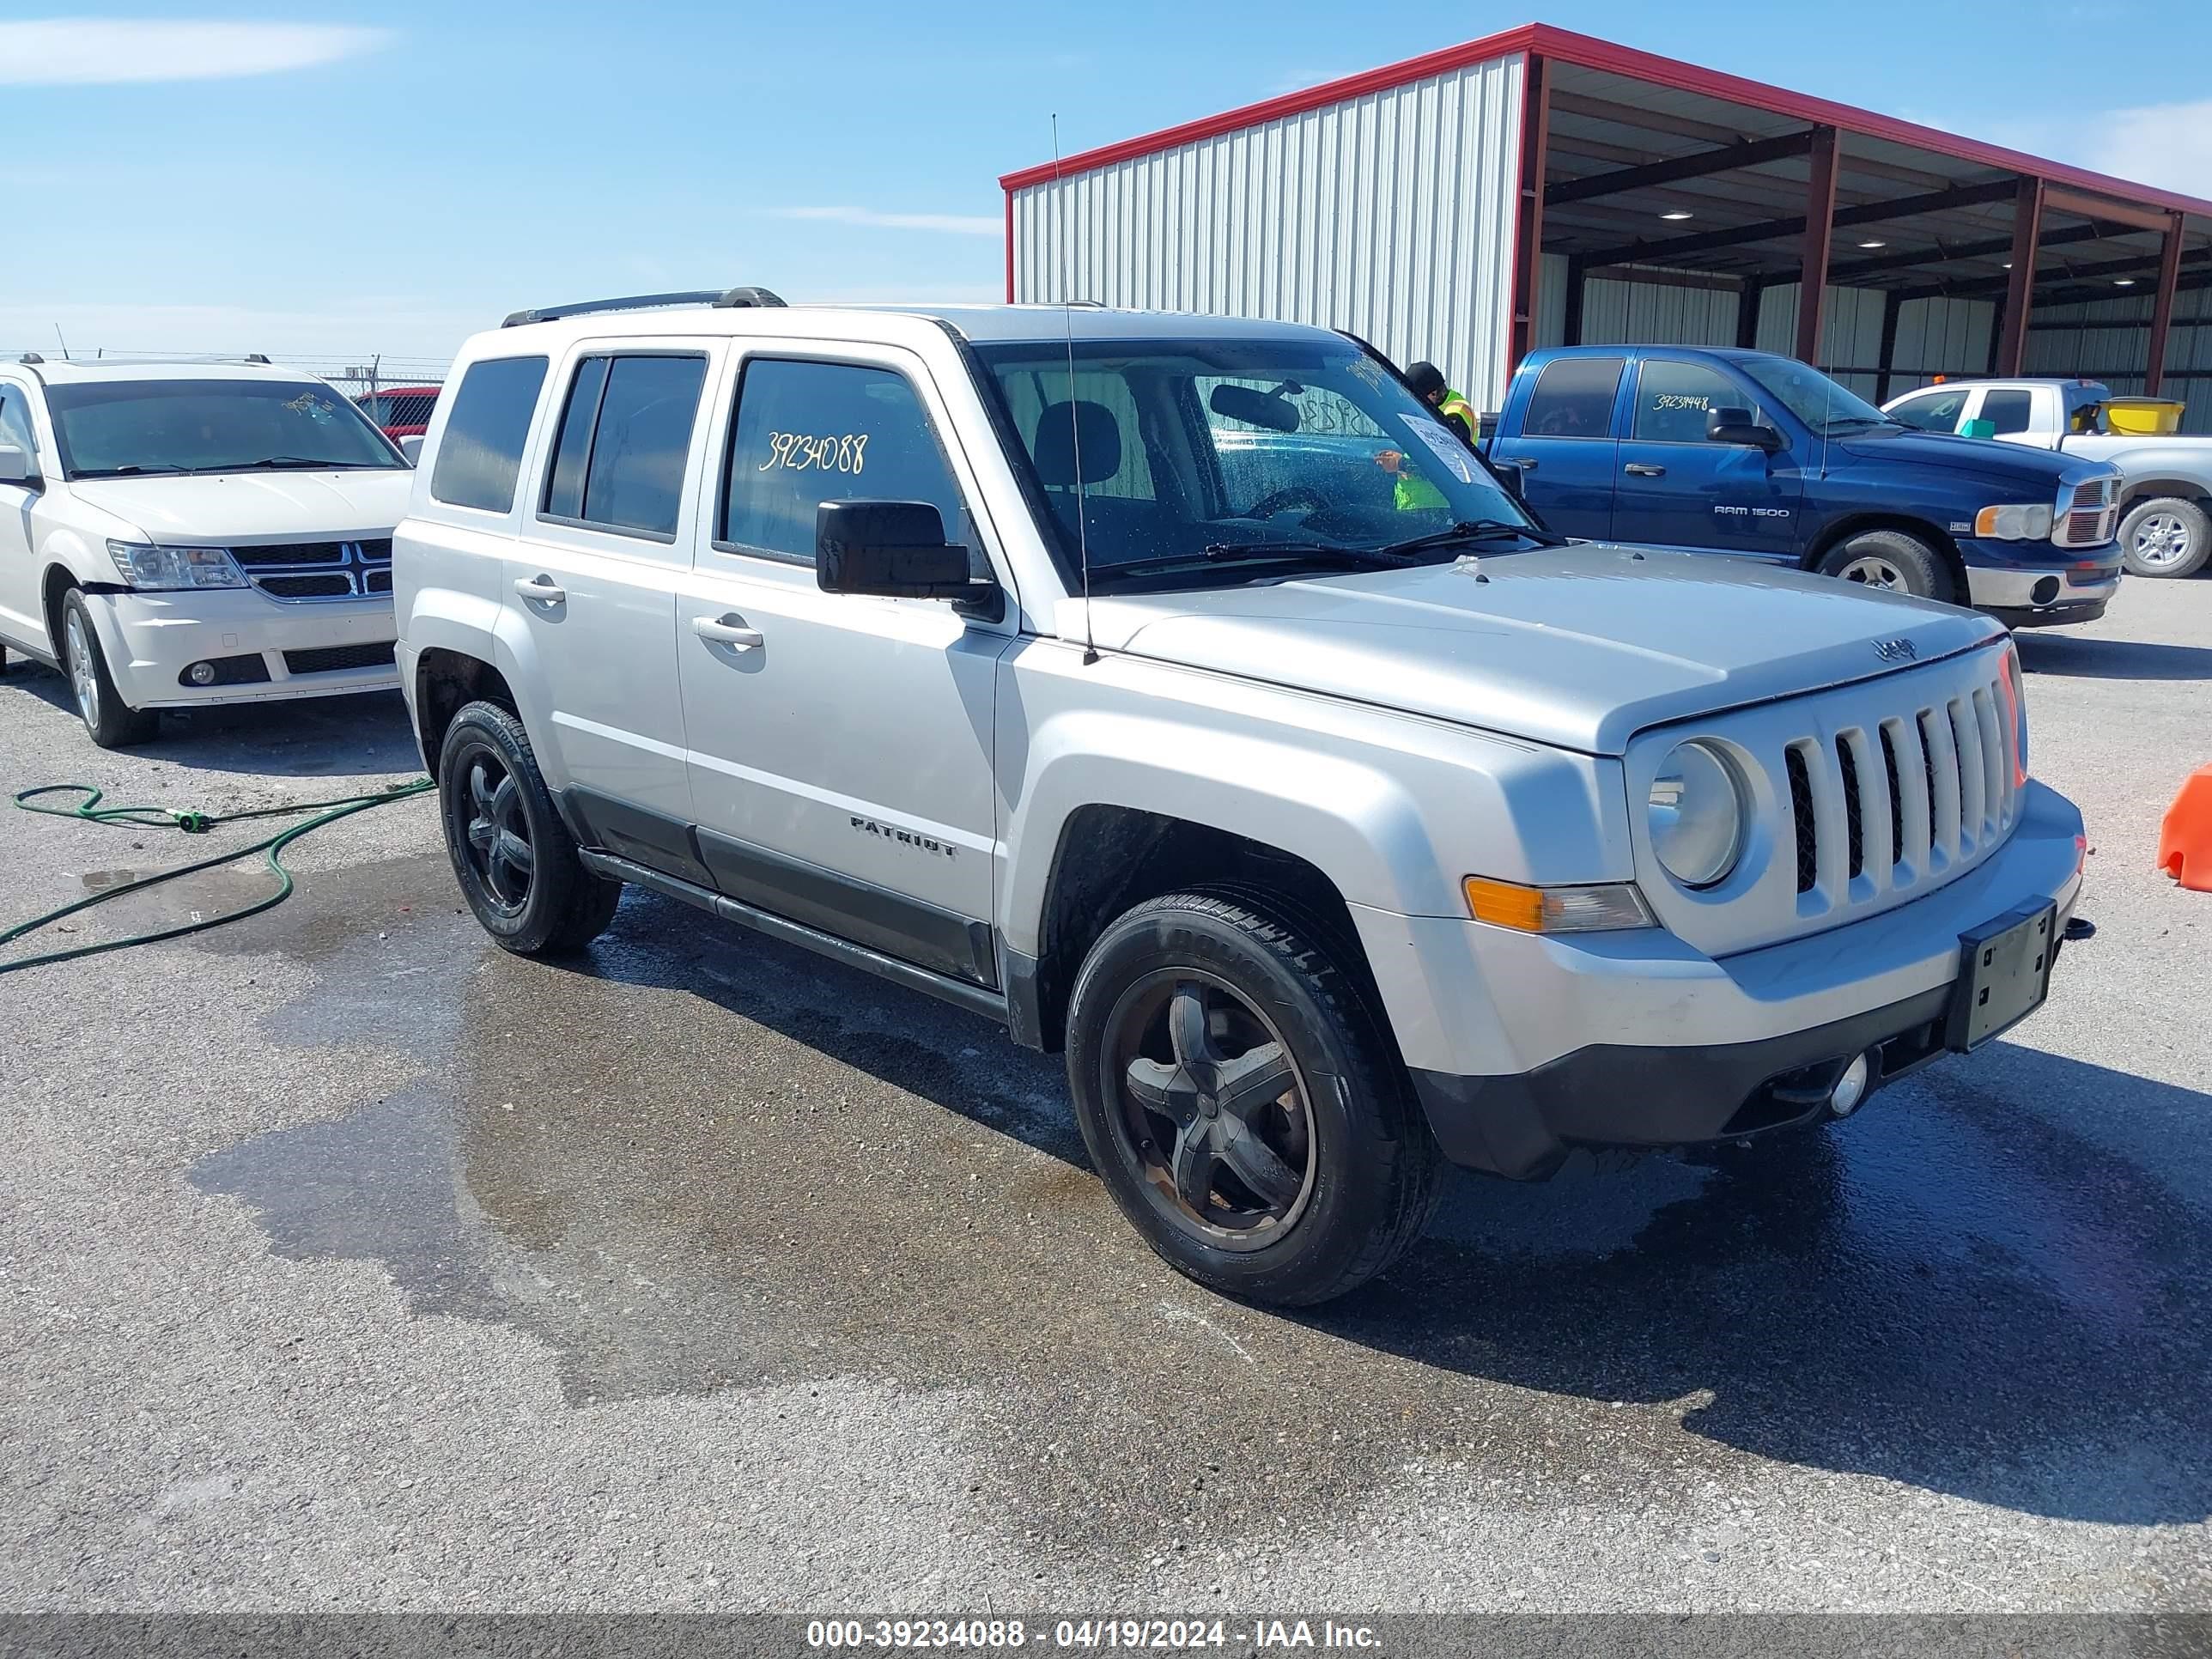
(513, 857)
(1242, 1104)
(112, 722)
(2165, 536)
(1893, 560)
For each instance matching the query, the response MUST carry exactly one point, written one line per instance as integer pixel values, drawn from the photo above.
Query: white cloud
(2165, 144)
(102, 50)
(957, 224)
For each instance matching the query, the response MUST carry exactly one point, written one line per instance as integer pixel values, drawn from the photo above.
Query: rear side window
(481, 455)
(1673, 400)
(809, 433)
(625, 435)
(1573, 398)
(2007, 411)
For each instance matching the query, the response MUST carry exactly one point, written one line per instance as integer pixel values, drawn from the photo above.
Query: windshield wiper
(127, 470)
(1467, 530)
(1357, 558)
(285, 461)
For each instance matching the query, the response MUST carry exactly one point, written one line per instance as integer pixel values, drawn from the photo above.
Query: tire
(513, 857)
(112, 722)
(1891, 559)
(2175, 538)
(1354, 1175)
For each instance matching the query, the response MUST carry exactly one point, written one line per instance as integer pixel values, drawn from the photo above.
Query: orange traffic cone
(2185, 840)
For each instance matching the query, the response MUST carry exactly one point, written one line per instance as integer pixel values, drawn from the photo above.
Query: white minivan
(175, 534)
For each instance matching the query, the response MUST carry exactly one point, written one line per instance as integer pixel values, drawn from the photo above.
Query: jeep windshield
(1186, 463)
(129, 429)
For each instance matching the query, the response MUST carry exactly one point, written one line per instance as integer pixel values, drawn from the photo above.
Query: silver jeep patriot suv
(1178, 692)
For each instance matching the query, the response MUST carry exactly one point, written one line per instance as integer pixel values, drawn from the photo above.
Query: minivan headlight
(152, 569)
(1697, 814)
(2013, 524)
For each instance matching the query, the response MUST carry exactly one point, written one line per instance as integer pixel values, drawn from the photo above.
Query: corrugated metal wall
(1389, 215)
(2090, 339)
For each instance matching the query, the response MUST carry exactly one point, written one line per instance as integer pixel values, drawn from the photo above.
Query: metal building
(1542, 187)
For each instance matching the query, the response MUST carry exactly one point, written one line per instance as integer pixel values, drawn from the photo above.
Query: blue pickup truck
(1759, 456)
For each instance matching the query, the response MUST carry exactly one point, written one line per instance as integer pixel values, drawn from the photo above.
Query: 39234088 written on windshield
(1184, 460)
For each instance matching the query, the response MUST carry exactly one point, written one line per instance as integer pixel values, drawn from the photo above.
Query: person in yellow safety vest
(1412, 493)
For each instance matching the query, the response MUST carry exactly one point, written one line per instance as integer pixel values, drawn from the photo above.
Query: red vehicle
(404, 411)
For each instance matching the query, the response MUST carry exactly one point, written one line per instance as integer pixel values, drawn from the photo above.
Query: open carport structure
(1542, 187)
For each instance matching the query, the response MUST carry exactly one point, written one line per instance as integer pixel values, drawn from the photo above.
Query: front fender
(1394, 810)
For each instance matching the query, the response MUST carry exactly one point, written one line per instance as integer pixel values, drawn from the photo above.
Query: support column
(1570, 332)
(2019, 291)
(1528, 239)
(1813, 269)
(2161, 308)
(1748, 303)
(1887, 363)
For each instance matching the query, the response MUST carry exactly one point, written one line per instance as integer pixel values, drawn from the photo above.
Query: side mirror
(893, 550)
(411, 448)
(1514, 480)
(16, 466)
(1736, 426)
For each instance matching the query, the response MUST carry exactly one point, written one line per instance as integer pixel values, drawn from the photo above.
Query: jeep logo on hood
(1895, 650)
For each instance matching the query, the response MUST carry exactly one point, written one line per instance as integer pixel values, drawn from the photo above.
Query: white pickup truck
(2165, 529)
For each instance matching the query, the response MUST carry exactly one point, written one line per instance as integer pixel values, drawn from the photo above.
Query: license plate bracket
(2004, 974)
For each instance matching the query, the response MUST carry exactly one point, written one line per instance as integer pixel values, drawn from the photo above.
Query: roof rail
(720, 297)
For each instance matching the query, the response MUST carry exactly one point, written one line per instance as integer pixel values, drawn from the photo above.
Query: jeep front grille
(1919, 793)
(297, 571)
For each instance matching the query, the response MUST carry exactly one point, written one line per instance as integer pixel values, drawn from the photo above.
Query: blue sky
(337, 181)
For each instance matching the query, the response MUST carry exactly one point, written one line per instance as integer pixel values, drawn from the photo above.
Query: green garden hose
(192, 823)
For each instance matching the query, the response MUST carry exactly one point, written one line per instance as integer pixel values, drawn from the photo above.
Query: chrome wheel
(1213, 1111)
(83, 668)
(2161, 541)
(1872, 570)
(499, 849)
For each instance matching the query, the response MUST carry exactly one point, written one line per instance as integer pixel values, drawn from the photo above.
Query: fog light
(2045, 590)
(202, 673)
(1851, 1088)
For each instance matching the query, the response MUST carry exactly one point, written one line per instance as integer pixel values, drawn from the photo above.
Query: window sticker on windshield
(1446, 448)
(802, 453)
(314, 408)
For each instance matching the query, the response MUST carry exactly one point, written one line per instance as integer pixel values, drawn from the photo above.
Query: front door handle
(729, 628)
(541, 587)
(1644, 470)
(1520, 461)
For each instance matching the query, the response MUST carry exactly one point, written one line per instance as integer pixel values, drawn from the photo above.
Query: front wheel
(1242, 1104)
(1890, 559)
(515, 859)
(111, 722)
(2165, 536)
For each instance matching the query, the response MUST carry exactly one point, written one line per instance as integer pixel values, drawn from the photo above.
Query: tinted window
(1673, 400)
(16, 421)
(481, 453)
(809, 433)
(1937, 411)
(2007, 411)
(1573, 398)
(572, 448)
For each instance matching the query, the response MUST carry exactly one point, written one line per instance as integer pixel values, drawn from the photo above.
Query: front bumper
(1522, 1047)
(151, 639)
(2045, 596)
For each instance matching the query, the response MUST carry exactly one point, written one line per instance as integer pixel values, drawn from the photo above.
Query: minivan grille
(303, 571)
(1945, 790)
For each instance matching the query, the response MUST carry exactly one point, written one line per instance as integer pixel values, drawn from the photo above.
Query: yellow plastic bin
(2143, 417)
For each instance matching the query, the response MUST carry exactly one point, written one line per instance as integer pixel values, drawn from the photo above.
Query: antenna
(58, 336)
(1074, 425)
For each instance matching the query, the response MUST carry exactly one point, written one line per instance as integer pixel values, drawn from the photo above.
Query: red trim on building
(1009, 247)
(1564, 46)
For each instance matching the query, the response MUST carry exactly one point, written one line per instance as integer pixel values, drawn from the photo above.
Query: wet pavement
(792, 1284)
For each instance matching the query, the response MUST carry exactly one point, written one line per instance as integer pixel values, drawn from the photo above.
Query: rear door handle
(729, 628)
(1645, 470)
(541, 587)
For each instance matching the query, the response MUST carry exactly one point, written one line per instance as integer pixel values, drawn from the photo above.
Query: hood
(216, 508)
(1580, 647)
(1984, 458)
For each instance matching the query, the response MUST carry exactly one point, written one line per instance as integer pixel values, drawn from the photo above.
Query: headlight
(2016, 694)
(1603, 906)
(2013, 524)
(153, 569)
(1697, 815)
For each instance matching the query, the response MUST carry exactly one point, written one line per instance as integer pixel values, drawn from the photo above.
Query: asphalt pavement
(348, 1263)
